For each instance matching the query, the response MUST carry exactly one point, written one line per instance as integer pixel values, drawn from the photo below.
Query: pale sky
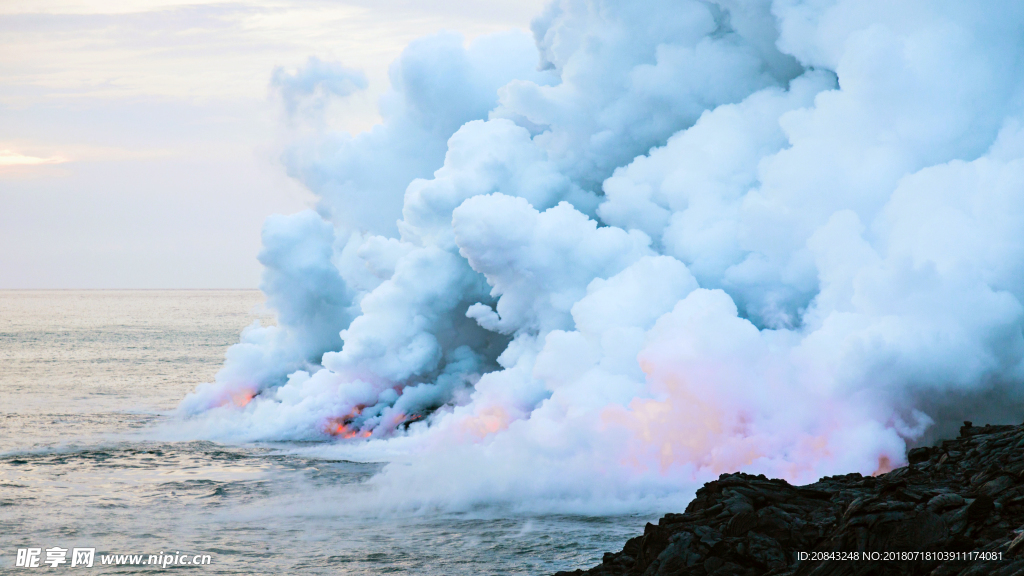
(139, 138)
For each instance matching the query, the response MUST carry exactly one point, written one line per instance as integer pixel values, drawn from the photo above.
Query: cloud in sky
(12, 158)
(134, 89)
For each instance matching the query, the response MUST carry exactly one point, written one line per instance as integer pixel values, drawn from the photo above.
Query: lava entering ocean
(780, 237)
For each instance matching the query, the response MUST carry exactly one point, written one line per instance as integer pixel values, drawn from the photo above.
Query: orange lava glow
(239, 398)
(341, 426)
(684, 430)
(341, 429)
(488, 421)
(884, 466)
(697, 424)
(396, 419)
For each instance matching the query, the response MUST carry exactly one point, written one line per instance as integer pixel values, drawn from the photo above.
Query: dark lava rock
(956, 509)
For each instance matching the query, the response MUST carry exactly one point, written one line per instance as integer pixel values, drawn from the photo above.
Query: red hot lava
(342, 425)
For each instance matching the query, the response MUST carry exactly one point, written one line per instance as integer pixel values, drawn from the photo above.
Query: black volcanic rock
(956, 509)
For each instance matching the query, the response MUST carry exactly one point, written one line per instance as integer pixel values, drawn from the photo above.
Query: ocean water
(87, 377)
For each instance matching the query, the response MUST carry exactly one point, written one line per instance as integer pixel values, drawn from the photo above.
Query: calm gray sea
(85, 376)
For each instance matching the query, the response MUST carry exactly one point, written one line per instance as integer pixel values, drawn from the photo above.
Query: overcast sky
(139, 138)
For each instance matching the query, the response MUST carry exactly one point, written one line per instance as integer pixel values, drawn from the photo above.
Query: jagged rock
(953, 501)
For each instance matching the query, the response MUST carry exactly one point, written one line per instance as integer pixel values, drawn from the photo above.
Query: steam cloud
(780, 237)
(312, 86)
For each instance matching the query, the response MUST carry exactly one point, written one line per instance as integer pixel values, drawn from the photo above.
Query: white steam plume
(313, 86)
(781, 237)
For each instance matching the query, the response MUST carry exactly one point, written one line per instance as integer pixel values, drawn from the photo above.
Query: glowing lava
(239, 398)
(342, 426)
(488, 421)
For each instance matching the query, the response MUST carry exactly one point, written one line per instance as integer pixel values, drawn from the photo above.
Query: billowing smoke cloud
(780, 237)
(313, 85)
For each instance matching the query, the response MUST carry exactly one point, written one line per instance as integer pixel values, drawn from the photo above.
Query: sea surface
(86, 377)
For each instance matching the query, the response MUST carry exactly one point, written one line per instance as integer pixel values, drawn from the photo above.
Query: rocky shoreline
(957, 508)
